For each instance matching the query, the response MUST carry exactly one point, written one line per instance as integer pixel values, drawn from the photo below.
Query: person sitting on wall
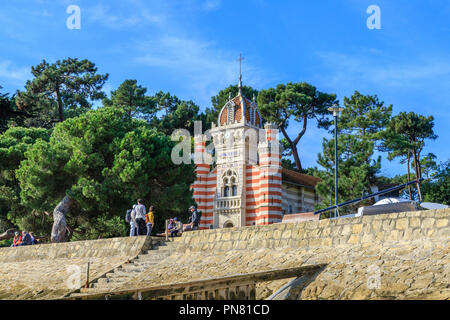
(33, 239)
(171, 226)
(177, 227)
(17, 239)
(26, 239)
(194, 220)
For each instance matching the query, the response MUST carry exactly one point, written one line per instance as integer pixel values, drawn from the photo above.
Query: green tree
(103, 161)
(354, 169)
(429, 165)
(14, 142)
(8, 112)
(405, 136)
(364, 116)
(219, 100)
(175, 113)
(60, 90)
(299, 102)
(438, 189)
(132, 98)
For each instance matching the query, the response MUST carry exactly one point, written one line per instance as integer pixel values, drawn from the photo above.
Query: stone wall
(49, 270)
(408, 226)
(390, 256)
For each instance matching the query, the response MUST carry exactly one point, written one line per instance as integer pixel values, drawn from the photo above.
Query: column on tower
(204, 186)
(269, 202)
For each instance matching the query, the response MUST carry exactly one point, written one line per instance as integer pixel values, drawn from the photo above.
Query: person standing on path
(149, 220)
(140, 218)
(133, 224)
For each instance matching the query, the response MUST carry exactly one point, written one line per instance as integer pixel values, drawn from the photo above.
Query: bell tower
(244, 188)
(235, 138)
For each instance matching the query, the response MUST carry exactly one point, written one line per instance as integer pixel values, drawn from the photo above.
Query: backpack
(128, 216)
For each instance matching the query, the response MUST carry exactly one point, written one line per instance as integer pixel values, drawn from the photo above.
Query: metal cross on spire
(240, 69)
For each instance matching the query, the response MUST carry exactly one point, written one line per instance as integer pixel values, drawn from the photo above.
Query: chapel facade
(247, 184)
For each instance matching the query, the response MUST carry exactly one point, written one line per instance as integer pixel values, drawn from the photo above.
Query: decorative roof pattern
(223, 117)
(252, 115)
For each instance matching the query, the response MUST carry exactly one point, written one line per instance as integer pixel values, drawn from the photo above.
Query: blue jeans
(132, 228)
(149, 228)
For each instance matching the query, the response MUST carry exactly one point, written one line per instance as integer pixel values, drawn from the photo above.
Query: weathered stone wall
(48, 270)
(400, 256)
(391, 256)
(430, 224)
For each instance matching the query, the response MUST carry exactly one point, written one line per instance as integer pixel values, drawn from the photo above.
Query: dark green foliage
(405, 137)
(59, 91)
(354, 169)
(13, 144)
(104, 160)
(362, 120)
(132, 98)
(438, 188)
(162, 111)
(364, 116)
(175, 113)
(9, 115)
(299, 102)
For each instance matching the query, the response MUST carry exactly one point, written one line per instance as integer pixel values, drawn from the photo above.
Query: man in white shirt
(140, 217)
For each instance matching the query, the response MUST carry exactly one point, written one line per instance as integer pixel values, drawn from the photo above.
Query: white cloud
(371, 68)
(199, 64)
(211, 5)
(11, 73)
(108, 17)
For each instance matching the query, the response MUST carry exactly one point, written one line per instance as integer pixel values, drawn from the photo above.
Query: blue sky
(189, 48)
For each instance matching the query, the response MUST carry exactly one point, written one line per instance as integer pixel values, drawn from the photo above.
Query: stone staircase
(159, 251)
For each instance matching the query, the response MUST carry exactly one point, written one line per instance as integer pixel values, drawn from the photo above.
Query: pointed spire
(240, 73)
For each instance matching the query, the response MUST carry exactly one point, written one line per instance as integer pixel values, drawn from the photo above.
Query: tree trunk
(60, 106)
(7, 234)
(294, 143)
(59, 220)
(298, 163)
(409, 175)
(417, 171)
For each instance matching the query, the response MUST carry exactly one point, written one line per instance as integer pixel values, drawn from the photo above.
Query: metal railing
(346, 203)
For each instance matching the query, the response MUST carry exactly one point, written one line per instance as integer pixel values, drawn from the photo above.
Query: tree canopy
(13, 144)
(60, 90)
(8, 112)
(175, 113)
(355, 169)
(299, 102)
(104, 160)
(364, 116)
(132, 98)
(405, 136)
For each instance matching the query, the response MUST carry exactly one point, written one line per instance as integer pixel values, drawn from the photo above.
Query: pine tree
(299, 102)
(60, 90)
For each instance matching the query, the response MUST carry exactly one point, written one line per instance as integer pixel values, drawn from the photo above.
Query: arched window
(226, 191)
(229, 186)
